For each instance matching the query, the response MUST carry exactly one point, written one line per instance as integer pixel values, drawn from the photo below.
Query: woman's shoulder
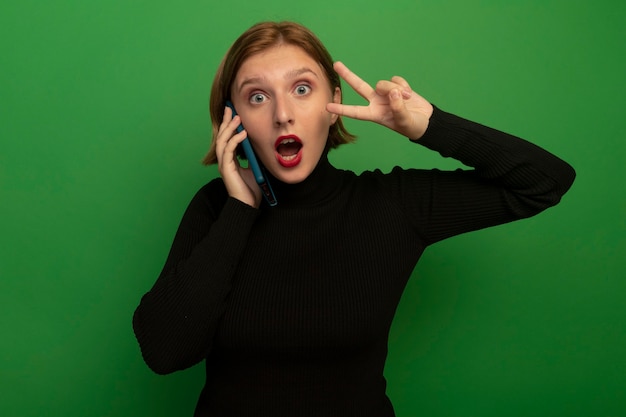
(212, 194)
(214, 186)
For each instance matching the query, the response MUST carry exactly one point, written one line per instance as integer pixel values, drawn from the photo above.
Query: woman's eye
(257, 98)
(302, 90)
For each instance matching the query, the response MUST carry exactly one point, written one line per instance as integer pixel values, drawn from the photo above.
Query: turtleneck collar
(322, 184)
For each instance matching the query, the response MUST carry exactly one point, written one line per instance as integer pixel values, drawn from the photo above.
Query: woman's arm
(512, 179)
(175, 321)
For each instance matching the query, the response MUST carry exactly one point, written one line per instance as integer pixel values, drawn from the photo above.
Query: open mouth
(288, 150)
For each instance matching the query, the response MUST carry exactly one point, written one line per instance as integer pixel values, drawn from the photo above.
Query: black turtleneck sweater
(291, 306)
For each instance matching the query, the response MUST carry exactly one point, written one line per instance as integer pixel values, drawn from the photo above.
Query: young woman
(290, 306)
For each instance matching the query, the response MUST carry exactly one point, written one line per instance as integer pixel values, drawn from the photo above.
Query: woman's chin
(293, 175)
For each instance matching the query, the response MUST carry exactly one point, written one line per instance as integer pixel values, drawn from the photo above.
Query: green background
(103, 122)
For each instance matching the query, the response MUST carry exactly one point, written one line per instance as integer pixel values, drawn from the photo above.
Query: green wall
(103, 121)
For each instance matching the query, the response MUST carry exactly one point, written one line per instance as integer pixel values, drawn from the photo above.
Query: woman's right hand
(239, 181)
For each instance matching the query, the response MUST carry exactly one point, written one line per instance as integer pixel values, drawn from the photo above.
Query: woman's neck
(322, 184)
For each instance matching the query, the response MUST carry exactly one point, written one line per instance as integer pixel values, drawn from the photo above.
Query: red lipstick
(288, 150)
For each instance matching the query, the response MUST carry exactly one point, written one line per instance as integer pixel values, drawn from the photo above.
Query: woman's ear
(336, 99)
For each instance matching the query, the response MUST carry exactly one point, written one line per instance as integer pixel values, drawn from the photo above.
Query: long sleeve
(511, 179)
(175, 320)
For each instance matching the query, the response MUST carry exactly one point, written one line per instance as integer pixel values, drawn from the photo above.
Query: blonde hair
(258, 38)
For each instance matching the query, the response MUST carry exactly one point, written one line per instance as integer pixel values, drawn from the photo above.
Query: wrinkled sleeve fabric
(508, 178)
(175, 321)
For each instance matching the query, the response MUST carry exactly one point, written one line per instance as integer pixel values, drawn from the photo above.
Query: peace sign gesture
(392, 104)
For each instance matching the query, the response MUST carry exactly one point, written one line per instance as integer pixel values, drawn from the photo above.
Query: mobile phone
(253, 163)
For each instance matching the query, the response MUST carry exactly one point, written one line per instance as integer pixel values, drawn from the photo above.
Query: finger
(384, 87)
(354, 112)
(227, 134)
(229, 124)
(228, 128)
(357, 84)
(233, 142)
(228, 116)
(396, 103)
(401, 81)
(227, 154)
(401, 115)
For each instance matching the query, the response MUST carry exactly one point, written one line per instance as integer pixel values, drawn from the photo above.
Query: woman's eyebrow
(251, 80)
(298, 72)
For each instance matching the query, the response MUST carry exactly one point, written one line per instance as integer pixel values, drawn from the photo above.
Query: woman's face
(281, 96)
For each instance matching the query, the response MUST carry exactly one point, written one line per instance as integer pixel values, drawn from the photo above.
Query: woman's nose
(283, 113)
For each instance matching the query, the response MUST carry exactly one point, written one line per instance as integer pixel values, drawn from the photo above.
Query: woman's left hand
(392, 104)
